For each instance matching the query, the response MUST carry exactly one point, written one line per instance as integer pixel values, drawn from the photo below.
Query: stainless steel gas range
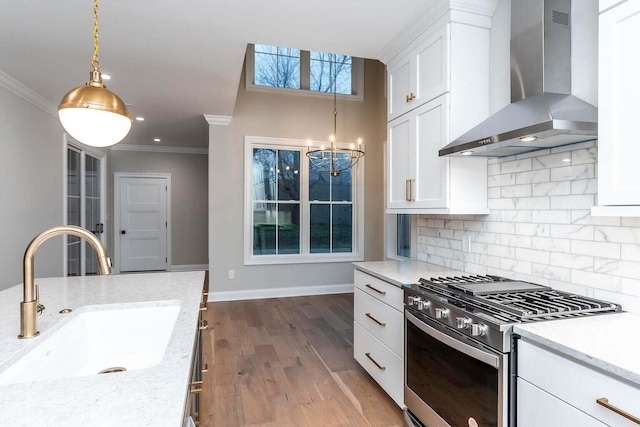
(459, 346)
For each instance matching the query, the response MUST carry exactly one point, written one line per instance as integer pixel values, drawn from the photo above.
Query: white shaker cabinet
(378, 332)
(419, 75)
(438, 89)
(619, 104)
(569, 391)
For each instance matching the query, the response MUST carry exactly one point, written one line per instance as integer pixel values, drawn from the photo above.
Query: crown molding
(217, 120)
(160, 149)
(472, 12)
(17, 88)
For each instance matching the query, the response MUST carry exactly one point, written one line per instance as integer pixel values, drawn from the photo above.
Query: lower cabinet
(378, 333)
(193, 405)
(557, 390)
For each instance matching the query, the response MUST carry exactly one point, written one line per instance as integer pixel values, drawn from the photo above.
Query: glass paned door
(84, 208)
(74, 191)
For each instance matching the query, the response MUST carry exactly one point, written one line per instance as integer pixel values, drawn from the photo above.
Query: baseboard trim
(298, 291)
(190, 267)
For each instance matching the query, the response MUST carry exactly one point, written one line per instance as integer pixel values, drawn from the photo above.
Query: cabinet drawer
(381, 320)
(577, 384)
(556, 412)
(384, 366)
(384, 291)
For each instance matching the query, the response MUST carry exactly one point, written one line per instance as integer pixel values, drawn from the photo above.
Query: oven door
(450, 379)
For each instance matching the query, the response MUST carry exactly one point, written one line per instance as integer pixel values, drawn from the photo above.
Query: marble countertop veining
(152, 396)
(404, 272)
(608, 342)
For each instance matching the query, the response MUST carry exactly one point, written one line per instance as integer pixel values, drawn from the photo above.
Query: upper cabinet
(438, 89)
(419, 75)
(619, 103)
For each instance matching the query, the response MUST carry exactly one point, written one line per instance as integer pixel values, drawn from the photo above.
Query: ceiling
(174, 61)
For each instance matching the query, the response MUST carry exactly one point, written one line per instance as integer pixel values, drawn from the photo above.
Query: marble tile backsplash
(540, 229)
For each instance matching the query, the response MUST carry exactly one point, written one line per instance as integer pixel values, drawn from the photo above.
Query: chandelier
(335, 159)
(92, 114)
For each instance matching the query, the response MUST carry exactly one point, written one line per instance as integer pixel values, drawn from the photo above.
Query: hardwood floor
(288, 362)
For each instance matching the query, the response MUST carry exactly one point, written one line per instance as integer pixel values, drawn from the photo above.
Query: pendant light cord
(96, 45)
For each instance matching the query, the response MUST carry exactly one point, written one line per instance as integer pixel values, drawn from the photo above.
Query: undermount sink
(99, 339)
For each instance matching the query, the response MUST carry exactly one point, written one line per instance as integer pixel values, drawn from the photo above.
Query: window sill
(302, 259)
(304, 92)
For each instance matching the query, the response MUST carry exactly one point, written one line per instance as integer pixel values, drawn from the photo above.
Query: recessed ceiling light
(528, 138)
(140, 119)
(156, 140)
(106, 76)
(466, 153)
(566, 160)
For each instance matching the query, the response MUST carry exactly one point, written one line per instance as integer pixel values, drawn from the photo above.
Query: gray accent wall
(276, 114)
(31, 170)
(189, 219)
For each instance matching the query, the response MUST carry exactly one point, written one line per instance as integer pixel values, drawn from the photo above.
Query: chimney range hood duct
(543, 113)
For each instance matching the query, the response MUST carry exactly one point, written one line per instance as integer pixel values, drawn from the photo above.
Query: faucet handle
(37, 294)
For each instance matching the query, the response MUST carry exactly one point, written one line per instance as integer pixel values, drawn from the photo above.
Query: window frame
(357, 77)
(305, 256)
(391, 237)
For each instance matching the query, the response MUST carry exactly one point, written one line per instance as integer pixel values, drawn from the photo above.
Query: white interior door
(143, 225)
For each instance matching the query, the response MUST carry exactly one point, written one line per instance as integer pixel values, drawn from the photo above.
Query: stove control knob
(478, 329)
(463, 322)
(442, 313)
(414, 300)
(423, 305)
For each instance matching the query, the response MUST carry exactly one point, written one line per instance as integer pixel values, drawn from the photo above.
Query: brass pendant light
(335, 160)
(92, 114)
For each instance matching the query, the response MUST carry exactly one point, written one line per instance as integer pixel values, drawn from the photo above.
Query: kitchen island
(153, 396)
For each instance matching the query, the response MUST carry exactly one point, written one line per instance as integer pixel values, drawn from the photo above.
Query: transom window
(295, 213)
(295, 70)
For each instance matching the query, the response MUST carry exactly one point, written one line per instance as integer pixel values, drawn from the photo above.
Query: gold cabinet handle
(411, 199)
(203, 325)
(376, 290)
(410, 97)
(205, 369)
(203, 308)
(197, 385)
(407, 190)
(379, 366)
(603, 401)
(375, 320)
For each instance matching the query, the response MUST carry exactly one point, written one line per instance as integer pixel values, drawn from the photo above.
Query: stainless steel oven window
(455, 382)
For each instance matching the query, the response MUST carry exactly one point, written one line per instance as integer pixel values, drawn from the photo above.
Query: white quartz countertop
(609, 342)
(404, 272)
(153, 396)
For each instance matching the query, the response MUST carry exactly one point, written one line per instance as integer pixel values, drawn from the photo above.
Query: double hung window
(295, 213)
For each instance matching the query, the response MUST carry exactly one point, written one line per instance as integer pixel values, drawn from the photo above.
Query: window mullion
(305, 69)
(305, 212)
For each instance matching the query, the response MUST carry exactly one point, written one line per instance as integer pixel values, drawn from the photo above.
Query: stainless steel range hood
(543, 113)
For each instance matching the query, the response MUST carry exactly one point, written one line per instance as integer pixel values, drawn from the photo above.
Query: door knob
(123, 231)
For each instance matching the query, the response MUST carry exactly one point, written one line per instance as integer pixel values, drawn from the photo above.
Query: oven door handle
(482, 356)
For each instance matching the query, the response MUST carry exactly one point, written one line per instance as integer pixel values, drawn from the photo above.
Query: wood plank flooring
(288, 362)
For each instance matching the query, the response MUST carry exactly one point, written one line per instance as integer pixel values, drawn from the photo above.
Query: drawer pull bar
(605, 402)
(382, 368)
(375, 320)
(376, 290)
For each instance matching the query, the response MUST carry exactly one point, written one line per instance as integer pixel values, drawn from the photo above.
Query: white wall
(31, 170)
(274, 114)
(189, 217)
